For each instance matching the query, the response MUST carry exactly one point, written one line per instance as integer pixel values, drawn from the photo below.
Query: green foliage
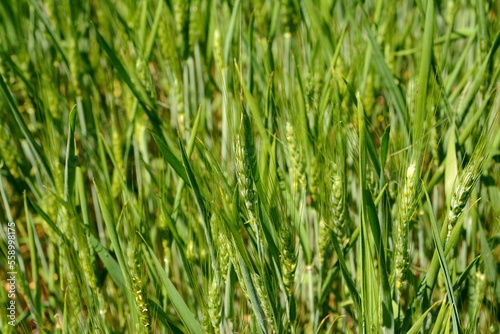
(290, 166)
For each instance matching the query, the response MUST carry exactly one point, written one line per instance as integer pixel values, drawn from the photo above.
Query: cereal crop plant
(228, 166)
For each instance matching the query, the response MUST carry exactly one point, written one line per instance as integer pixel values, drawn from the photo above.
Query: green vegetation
(220, 166)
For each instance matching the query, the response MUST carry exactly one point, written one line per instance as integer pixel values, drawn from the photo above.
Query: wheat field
(228, 166)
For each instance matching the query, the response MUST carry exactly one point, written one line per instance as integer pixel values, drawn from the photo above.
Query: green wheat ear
(245, 179)
(215, 303)
(338, 208)
(406, 209)
(138, 290)
(265, 302)
(296, 166)
(8, 154)
(288, 258)
(462, 192)
(248, 191)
